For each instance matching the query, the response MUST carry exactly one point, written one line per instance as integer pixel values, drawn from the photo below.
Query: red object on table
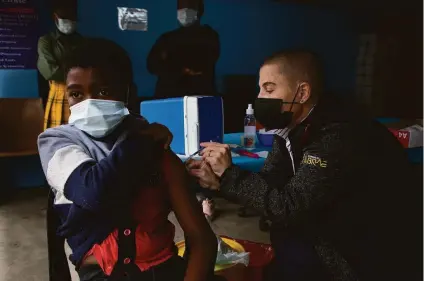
(259, 126)
(402, 135)
(244, 152)
(260, 256)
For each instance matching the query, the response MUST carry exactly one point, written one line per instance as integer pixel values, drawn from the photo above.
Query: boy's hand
(160, 133)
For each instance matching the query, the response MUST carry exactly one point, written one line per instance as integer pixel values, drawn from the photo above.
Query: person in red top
(114, 182)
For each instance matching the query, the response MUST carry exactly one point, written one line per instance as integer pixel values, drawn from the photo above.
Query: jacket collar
(315, 118)
(284, 133)
(57, 34)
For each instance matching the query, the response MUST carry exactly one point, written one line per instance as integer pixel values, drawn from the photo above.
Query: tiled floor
(23, 250)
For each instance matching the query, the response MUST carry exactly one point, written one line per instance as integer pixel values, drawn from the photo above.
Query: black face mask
(269, 112)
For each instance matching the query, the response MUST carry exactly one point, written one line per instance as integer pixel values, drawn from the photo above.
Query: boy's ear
(133, 104)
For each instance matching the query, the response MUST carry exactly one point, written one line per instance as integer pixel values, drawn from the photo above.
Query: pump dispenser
(249, 127)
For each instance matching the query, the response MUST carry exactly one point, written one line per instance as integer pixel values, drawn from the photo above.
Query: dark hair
(201, 8)
(103, 55)
(299, 65)
(64, 5)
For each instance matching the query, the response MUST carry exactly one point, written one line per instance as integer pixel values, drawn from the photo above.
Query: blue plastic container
(191, 120)
(265, 139)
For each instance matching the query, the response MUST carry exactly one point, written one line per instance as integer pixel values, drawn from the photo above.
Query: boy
(96, 167)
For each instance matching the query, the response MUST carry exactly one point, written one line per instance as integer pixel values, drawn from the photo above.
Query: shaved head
(293, 77)
(298, 67)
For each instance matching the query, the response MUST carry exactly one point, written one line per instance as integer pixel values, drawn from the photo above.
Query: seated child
(114, 182)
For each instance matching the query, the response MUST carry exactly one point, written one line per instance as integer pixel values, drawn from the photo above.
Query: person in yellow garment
(52, 48)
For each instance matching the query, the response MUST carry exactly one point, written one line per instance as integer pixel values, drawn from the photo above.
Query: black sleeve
(201, 51)
(315, 183)
(157, 60)
(214, 47)
(277, 168)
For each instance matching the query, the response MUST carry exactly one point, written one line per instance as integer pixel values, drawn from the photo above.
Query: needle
(194, 154)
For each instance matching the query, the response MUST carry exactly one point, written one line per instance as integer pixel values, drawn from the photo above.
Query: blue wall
(18, 83)
(249, 30)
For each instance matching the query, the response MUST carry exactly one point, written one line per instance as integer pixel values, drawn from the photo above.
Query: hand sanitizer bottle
(249, 128)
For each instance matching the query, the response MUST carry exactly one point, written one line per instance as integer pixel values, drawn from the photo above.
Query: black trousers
(172, 269)
(295, 260)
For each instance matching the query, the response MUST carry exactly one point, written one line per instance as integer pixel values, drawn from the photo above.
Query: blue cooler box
(191, 120)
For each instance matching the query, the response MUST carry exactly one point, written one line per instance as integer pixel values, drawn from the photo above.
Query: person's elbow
(205, 245)
(43, 69)
(211, 243)
(89, 200)
(203, 239)
(210, 238)
(151, 69)
(154, 65)
(86, 189)
(49, 72)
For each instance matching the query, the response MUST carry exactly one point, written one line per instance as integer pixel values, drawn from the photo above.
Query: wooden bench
(21, 121)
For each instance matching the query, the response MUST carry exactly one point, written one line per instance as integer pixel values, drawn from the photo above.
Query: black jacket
(349, 200)
(194, 47)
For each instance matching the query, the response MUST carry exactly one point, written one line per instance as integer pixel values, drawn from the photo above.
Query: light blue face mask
(186, 17)
(98, 118)
(66, 26)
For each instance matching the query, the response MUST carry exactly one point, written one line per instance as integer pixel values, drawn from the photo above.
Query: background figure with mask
(184, 59)
(52, 48)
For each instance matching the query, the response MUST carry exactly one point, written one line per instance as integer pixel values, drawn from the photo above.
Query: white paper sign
(132, 19)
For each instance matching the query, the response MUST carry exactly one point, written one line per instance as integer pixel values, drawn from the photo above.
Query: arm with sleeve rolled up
(47, 63)
(93, 185)
(314, 184)
(203, 242)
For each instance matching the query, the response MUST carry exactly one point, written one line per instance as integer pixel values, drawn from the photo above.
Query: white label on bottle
(249, 136)
(249, 130)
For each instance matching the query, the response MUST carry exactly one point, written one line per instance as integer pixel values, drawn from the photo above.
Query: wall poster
(18, 34)
(132, 19)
